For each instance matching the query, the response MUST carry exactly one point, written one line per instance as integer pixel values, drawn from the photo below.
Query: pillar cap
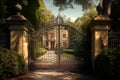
(100, 20)
(18, 7)
(102, 17)
(17, 15)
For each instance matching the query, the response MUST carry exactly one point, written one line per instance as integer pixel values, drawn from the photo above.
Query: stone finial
(104, 7)
(18, 8)
(17, 15)
(99, 9)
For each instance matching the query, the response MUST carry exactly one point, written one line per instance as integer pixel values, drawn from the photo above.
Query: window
(64, 35)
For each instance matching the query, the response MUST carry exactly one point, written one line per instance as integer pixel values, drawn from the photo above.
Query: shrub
(108, 64)
(11, 63)
(39, 52)
(83, 49)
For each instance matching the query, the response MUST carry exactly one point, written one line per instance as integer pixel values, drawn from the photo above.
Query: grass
(68, 55)
(69, 51)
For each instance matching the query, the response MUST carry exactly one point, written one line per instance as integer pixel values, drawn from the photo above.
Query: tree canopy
(64, 4)
(34, 10)
(37, 13)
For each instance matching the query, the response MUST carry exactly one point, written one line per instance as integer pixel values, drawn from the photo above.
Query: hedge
(108, 64)
(11, 64)
(39, 53)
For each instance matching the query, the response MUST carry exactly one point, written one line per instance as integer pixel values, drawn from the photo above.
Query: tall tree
(88, 15)
(64, 4)
(83, 46)
(37, 13)
(34, 10)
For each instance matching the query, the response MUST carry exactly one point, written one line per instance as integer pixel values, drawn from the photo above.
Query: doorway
(52, 45)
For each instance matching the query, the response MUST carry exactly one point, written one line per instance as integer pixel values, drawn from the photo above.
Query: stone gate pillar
(99, 36)
(19, 33)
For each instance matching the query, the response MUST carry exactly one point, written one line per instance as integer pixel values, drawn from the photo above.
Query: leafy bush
(108, 64)
(11, 63)
(83, 50)
(39, 52)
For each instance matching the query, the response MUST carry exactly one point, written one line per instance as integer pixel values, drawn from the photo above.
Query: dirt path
(55, 75)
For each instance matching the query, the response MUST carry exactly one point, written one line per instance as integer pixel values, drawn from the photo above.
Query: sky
(68, 13)
(73, 14)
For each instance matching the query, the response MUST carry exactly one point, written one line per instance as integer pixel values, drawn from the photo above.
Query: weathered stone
(99, 34)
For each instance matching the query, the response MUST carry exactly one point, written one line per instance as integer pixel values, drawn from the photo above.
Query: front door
(52, 45)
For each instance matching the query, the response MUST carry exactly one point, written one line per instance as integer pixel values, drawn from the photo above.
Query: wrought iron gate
(114, 40)
(54, 57)
(51, 60)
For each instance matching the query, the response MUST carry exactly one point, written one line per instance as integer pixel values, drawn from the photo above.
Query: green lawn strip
(68, 55)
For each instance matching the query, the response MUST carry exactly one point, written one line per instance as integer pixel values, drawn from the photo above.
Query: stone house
(51, 39)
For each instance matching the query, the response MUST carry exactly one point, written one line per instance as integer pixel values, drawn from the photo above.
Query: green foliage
(83, 21)
(68, 55)
(37, 13)
(39, 52)
(11, 64)
(83, 50)
(83, 44)
(107, 64)
(34, 10)
(64, 4)
(74, 33)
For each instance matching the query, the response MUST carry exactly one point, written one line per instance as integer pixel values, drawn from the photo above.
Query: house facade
(51, 39)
